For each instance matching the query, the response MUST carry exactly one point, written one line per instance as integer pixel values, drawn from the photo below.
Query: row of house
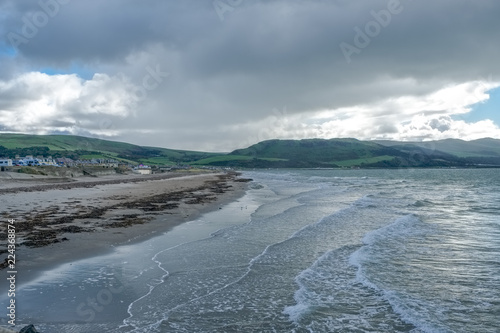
(110, 163)
(27, 161)
(64, 161)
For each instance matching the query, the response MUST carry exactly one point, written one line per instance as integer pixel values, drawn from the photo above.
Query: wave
(422, 203)
(306, 299)
(383, 254)
(329, 299)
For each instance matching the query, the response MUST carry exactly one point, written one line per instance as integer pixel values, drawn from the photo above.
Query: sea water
(303, 251)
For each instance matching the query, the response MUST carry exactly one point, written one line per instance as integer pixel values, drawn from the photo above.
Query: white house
(5, 162)
(143, 170)
(30, 161)
(46, 161)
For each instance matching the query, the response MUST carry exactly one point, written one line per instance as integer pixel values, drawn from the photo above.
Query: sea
(404, 250)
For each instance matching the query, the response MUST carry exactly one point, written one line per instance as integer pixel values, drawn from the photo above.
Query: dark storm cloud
(287, 41)
(263, 55)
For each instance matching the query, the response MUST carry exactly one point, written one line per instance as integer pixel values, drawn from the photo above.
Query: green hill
(315, 153)
(319, 153)
(486, 147)
(309, 153)
(85, 148)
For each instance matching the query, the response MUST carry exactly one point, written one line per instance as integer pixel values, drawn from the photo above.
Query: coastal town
(45, 165)
(58, 162)
(9, 164)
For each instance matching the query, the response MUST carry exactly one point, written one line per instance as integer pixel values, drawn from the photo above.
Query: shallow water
(303, 251)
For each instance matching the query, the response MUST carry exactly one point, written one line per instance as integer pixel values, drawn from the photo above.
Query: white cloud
(406, 118)
(444, 127)
(225, 78)
(39, 103)
(106, 106)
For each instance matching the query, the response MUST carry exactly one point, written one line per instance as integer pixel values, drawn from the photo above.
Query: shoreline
(62, 225)
(12, 182)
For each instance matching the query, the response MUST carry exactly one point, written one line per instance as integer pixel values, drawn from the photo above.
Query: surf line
(127, 321)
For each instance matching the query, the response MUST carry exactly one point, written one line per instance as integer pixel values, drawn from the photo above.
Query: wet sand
(59, 222)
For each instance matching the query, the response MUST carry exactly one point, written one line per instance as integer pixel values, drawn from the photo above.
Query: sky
(220, 75)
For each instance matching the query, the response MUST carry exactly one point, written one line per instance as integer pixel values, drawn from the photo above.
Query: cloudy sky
(220, 75)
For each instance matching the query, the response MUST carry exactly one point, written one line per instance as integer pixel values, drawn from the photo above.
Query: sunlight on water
(305, 251)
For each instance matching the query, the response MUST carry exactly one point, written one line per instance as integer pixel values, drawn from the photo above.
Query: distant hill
(320, 153)
(486, 147)
(308, 153)
(78, 147)
(315, 153)
(481, 152)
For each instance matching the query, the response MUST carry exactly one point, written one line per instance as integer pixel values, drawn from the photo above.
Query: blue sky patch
(82, 72)
(489, 109)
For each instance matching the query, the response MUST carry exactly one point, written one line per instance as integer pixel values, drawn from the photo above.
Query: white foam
(295, 312)
(406, 307)
(401, 226)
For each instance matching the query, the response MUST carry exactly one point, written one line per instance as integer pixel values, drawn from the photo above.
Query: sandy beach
(62, 220)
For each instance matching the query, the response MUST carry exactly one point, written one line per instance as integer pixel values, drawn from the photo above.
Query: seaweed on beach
(127, 221)
(41, 238)
(42, 228)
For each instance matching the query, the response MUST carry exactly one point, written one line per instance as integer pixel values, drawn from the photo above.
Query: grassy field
(223, 158)
(266, 154)
(162, 160)
(359, 161)
(88, 148)
(229, 158)
(64, 143)
(477, 148)
(310, 152)
(12, 141)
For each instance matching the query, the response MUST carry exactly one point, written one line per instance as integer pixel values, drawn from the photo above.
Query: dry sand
(59, 221)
